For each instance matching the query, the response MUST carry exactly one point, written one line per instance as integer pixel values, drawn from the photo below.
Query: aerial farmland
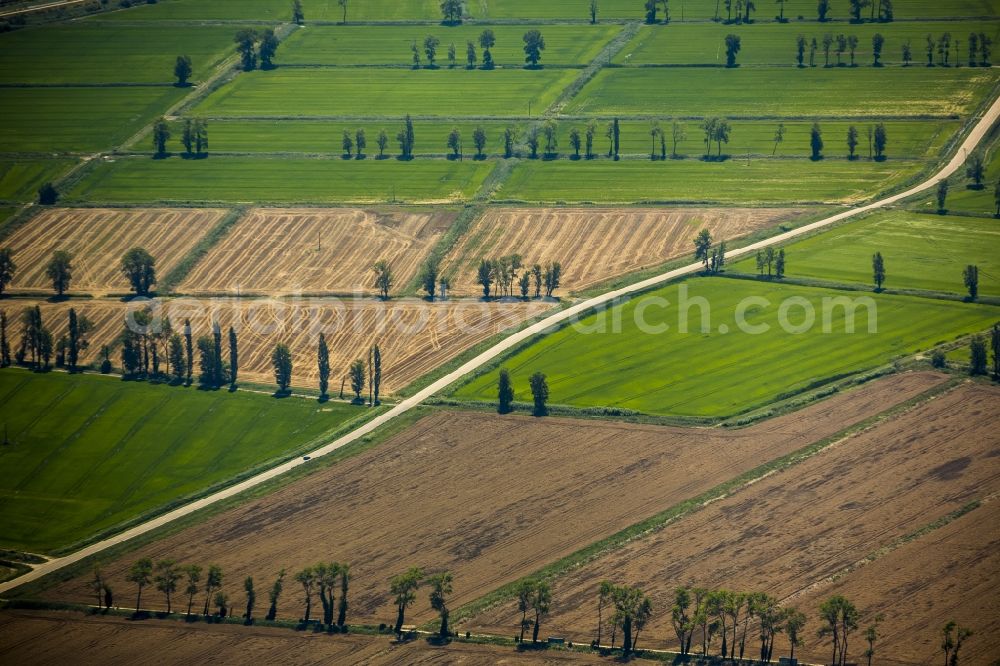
(495, 331)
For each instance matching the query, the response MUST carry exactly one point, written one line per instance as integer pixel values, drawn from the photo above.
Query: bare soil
(596, 244)
(57, 638)
(490, 498)
(791, 532)
(98, 237)
(951, 573)
(316, 251)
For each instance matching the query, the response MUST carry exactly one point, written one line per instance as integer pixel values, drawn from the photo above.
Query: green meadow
(279, 11)
(860, 92)
(391, 45)
(724, 371)
(429, 10)
(693, 180)
(89, 53)
(775, 43)
(291, 92)
(914, 139)
(21, 178)
(962, 198)
(291, 180)
(78, 119)
(921, 251)
(88, 453)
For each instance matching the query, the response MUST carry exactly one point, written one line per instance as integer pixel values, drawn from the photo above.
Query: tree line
(37, 345)
(979, 50)
(194, 137)
(497, 277)
(542, 140)
(534, 44)
(137, 265)
(699, 616)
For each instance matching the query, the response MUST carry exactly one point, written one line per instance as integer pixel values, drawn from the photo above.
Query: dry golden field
(98, 237)
(273, 251)
(414, 336)
(596, 244)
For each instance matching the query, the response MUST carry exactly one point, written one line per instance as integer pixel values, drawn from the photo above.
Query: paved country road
(38, 8)
(977, 134)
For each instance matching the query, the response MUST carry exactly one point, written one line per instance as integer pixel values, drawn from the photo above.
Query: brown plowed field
(490, 498)
(414, 336)
(949, 574)
(595, 244)
(59, 638)
(807, 523)
(283, 251)
(98, 237)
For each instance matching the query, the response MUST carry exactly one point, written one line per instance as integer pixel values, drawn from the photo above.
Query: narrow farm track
(973, 139)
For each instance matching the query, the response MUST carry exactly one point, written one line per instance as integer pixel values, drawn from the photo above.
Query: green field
(91, 452)
(704, 9)
(775, 44)
(90, 53)
(21, 178)
(909, 139)
(292, 180)
(785, 92)
(277, 10)
(719, 374)
(287, 93)
(391, 45)
(78, 119)
(961, 199)
(428, 10)
(692, 180)
(921, 252)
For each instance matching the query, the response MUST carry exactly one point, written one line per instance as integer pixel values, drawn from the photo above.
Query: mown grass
(429, 10)
(21, 178)
(291, 180)
(724, 371)
(279, 10)
(386, 93)
(692, 180)
(775, 44)
(785, 92)
(391, 45)
(921, 252)
(962, 195)
(90, 452)
(910, 139)
(705, 9)
(91, 53)
(78, 119)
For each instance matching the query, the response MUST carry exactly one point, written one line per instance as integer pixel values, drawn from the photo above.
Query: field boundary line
(974, 137)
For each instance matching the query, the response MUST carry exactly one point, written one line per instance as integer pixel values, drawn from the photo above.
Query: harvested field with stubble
(57, 638)
(491, 498)
(415, 336)
(277, 251)
(797, 528)
(98, 237)
(107, 318)
(596, 244)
